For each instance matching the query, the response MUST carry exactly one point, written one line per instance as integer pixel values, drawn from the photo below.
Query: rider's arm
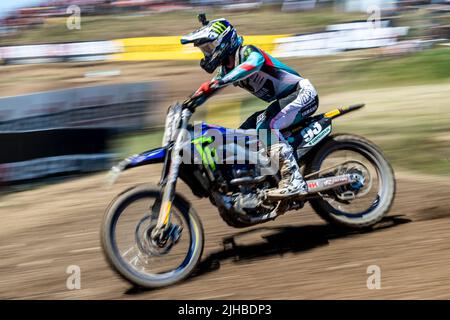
(206, 87)
(253, 61)
(205, 90)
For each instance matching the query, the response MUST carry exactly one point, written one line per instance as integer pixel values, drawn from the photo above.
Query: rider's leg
(304, 104)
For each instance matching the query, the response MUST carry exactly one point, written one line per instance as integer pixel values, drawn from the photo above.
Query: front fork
(169, 183)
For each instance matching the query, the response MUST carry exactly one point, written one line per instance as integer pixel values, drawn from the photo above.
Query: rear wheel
(135, 255)
(361, 204)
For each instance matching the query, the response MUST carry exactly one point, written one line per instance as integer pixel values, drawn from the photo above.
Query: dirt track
(298, 256)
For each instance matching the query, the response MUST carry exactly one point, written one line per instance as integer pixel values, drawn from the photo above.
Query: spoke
(133, 247)
(134, 261)
(143, 259)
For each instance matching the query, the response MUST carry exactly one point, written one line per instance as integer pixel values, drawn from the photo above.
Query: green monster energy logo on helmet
(218, 27)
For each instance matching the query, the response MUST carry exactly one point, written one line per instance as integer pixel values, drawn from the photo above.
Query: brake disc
(156, 247)
(357, 189)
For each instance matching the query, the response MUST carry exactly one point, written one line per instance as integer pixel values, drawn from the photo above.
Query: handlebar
(199, 97)
(192, 102)
(195, 100)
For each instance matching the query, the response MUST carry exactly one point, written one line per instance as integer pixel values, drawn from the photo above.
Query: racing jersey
(261, 74)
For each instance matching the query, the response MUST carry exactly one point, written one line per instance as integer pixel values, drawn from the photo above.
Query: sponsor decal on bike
(208, 154)
(311, 131)
(312, 185)
(314, 133)
(332, 113)
(261, 118)
(335, 180)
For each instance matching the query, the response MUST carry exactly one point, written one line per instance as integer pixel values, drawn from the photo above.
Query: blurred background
(84, 83)
(109, 69)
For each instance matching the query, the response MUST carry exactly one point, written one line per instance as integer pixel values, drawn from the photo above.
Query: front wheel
(135, 255)
(360, 204)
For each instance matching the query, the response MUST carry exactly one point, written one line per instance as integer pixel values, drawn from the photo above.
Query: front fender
(148, 157)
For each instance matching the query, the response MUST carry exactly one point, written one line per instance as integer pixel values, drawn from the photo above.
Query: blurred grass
(415, 142)
(429, 66)
(364, 70)
(130, 144)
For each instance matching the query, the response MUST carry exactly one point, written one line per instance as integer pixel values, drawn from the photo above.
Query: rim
(367, 197)
(137, 253)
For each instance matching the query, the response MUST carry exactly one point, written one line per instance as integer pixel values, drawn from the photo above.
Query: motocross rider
(292, 97)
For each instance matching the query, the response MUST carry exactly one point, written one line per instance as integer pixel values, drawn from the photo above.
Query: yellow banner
(170, 48)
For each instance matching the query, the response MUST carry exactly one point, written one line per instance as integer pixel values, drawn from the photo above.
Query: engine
(246, 187)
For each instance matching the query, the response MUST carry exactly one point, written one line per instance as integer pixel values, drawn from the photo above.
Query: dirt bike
(350, 182)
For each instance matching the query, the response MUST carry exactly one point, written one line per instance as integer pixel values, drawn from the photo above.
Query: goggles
(208, 48)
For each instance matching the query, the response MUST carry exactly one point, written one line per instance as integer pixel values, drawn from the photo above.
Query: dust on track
(45, 230)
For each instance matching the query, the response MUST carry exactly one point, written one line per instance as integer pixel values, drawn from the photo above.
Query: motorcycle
(350, 182)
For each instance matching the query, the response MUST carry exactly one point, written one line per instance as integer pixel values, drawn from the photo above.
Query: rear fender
(319, 137)
(305, 155)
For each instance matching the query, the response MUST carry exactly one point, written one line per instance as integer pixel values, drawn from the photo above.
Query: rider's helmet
(217, 39)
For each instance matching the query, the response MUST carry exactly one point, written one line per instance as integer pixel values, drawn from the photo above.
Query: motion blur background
(392, 55)
(86, 82)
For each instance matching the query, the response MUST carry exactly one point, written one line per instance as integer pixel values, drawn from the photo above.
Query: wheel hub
(159, 244)
(360, 185)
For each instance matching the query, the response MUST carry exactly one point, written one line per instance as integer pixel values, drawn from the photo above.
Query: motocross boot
(292, 182)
